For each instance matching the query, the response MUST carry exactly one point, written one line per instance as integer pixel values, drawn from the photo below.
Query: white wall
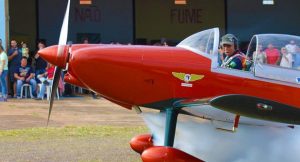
(2, 24)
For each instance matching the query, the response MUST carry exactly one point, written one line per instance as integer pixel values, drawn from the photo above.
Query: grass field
(70, 143)
(80, 129)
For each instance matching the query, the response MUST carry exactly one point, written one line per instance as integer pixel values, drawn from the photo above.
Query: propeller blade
(61, 44)
(63, 37)
(57, 75)
(64, 29)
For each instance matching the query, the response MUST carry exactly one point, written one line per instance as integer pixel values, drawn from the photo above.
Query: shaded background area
(147, 21)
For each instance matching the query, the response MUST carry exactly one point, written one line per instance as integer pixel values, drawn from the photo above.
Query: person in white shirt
(260, 55)
(291, 47)
(3, 74)
(286, 59)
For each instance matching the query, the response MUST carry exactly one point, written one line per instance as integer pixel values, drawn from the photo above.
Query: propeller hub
(56, 55)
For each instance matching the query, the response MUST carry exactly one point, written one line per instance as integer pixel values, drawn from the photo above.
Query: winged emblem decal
(187, 78)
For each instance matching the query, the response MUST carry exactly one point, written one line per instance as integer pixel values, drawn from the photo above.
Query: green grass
(70, 131)
(34, 114)
(70, 143)
(13, 106)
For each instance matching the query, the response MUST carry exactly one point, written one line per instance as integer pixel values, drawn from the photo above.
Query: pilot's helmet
(229, 39)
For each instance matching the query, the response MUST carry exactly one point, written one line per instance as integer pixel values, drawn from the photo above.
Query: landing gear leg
(168, 153)
(171, 121)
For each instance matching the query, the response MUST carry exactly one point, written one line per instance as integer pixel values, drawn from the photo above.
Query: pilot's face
(228, 49)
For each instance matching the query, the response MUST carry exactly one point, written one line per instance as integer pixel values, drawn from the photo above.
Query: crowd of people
(287, 56)
(18, 67)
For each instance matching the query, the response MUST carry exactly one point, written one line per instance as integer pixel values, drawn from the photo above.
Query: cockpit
(272, 56)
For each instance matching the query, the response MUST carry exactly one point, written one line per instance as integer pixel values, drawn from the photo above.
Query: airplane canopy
(204, 43)
(275, 56)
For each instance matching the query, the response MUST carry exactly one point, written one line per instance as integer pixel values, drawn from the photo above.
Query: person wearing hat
(234, 58)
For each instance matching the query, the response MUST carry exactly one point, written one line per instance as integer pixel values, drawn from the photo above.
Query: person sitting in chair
(24, 75)
(234, 58)
(46, 79)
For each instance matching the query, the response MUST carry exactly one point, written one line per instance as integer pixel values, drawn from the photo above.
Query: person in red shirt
(46, 79)
(272, 55)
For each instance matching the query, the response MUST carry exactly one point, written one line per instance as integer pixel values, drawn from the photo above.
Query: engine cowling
(167, 154)
(69, 78)
(141, 142)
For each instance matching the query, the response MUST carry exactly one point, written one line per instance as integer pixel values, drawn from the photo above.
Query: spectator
(14, 59)
(291, 47)
(286, 59)
(24, 74)
(25, 50)
(164, 42)
(272, 55)
(85, 41)
(296, 63)
(3, 74)
(40, 63)
(260, 55)
(43, 77)
(157, 44)
(47, 79)
(221, 55)
(2, 45)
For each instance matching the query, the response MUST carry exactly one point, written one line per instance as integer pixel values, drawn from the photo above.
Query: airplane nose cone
(56, 55)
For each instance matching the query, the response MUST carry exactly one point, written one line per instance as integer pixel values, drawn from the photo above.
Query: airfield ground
(80, 129)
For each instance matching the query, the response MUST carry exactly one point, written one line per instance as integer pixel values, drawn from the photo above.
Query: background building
(145, 21)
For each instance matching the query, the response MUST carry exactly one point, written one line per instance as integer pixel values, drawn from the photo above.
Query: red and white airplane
(172, 79)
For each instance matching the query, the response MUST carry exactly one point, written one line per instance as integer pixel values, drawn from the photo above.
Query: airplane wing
(253, 111)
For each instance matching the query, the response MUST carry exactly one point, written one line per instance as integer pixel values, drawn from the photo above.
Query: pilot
(234, 58)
